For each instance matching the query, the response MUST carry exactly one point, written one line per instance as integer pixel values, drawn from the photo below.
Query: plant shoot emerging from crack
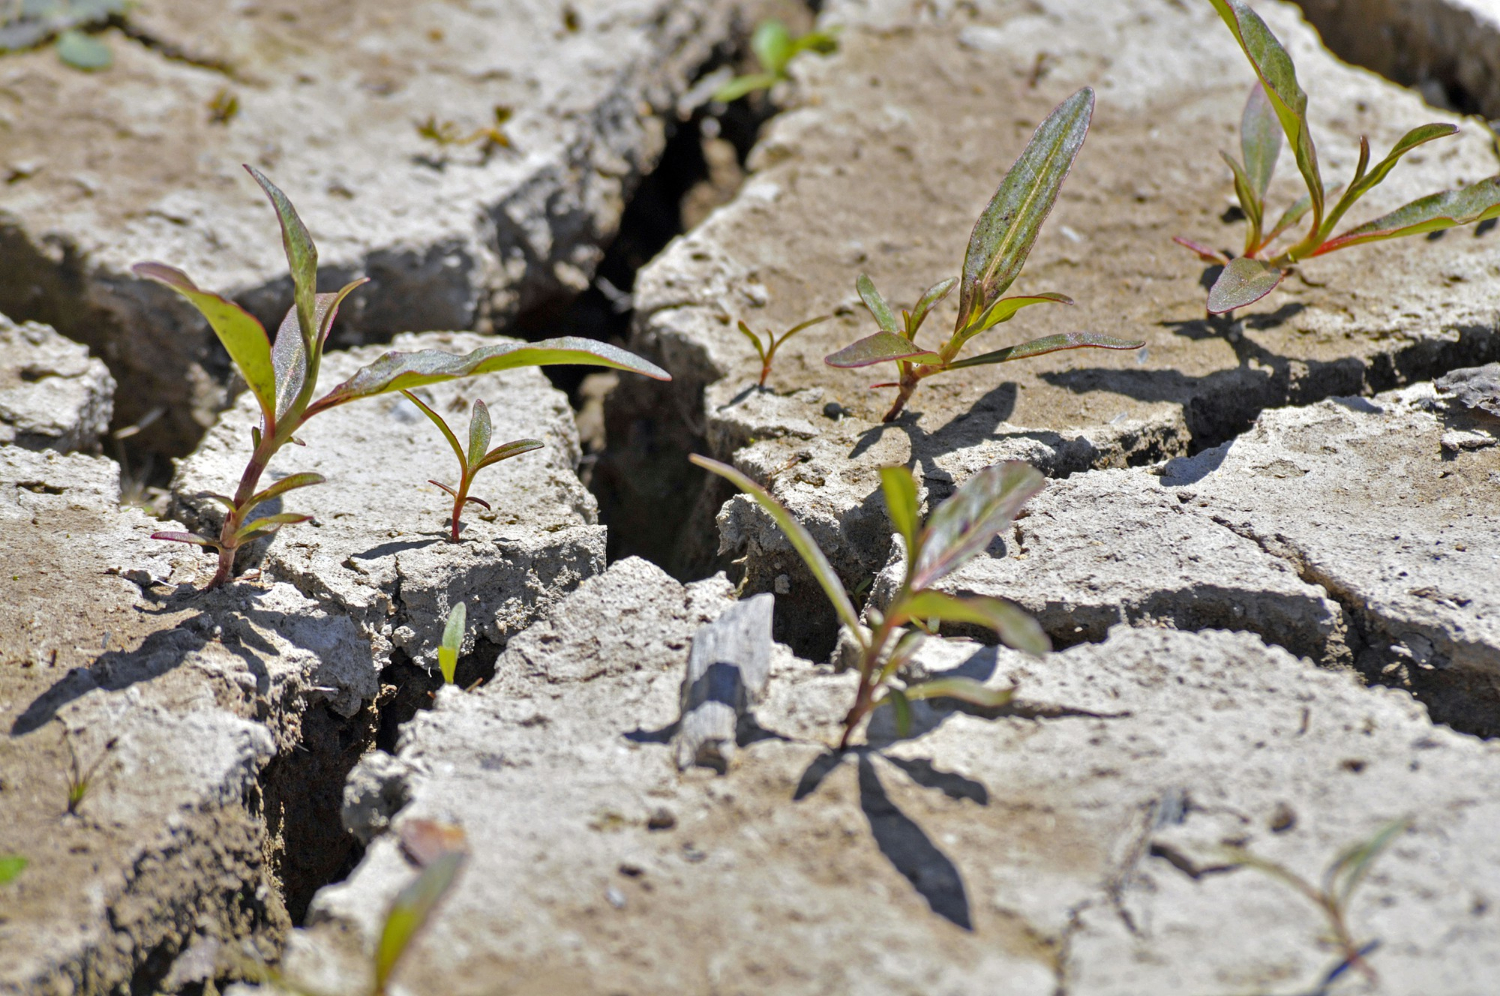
(1277, 106)
(774, 49)
(453, 641)
(998, 248)
(958, 530)
(81, 779)
(767, 350)
(1333, 895)
(478, 457)
(283, 376)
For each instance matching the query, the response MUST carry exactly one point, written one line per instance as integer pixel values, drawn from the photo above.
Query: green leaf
(1365, 182)
(934, 294)
(268, 525)
(754, 341)
(800, 539)
(1476, 202)
(879, 348)
(1048, 344)
(1008, 227)
(411, 910)
(881, 311)
(1013, 624)
(822, 42)
(11, 866)
(963, 689)
(180, 537)
(84, 51)
(901, 706)
(1288, 218)
(281, 487)
(1260, 141)
(741, 85)
(1203, 252)
(803, 325)
(1278, 78)
(328, 312)
(506, 451)
(963, 525)
(1245, 193)
(289, 354)
(243, 337)
(442, 425)
(1351, 867)
(453, 638)
(479, 433)
(1244, 281)
(301, 256)
(1005, 309)
(396, 371)
(772, 45)
(900, 489)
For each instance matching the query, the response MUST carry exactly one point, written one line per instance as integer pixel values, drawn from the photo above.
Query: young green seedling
(1001, 241)
(79, 779)
(1278, 105)
(1333, 895)
(774, 48)
(958, 530)
(410, 912)
(11, 867)
(283, 376)
(478, 457)
(453, 639)
(767, 351)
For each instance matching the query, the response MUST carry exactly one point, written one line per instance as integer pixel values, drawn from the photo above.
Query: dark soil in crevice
(407, 688)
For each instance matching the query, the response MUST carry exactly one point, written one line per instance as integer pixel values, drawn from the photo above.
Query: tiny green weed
(1278, 105)
(767, 350)
(81, 779)
(453, 639)
(479, 456)
(959, 529)
(11, 867)
(774, 47)
(998, 248)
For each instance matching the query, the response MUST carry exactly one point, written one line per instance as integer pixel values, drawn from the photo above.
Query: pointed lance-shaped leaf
(754, 341)
(741, 85)
(900, 489)
(881, 347)
(1203, 252)
(1260, 141)
(800, 539)
(268, 525)
(478, 501)
(411, 910)
(901, 706)
(301, 255)
(397, 371)
(963, 525)
(1278, 78)
(453, 638)
(1244, 192)
(243, 337)
(1008, 227)
(1013, 624)
(175, 536)
(442, 425)
(772, 45)
(1005, 309)
(289, 354)
(479, 433)
(507, 450)
(803, 325)
(881, 311)
(1476, 202)
(1368, 181)
(928, 301)
(1048, 344)
(1244, 281)
(1351, 867)
(963, 689)
(281, 487)
(445, 487)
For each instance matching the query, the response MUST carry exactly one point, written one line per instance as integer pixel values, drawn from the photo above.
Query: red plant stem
(908, 385)
(458, 501)
(868, 668)
(228, 546)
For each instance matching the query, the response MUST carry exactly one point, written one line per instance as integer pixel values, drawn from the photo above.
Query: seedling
(478, 457)
(1001, 241)
(767, 351)
(1278, 105)
(1333, 895)
(453, 638)
(446, 133)
(283, 376)
(774, 48)
(11, 867)
(959, 529)
(80, 780)
(27, 23)
(411, 911)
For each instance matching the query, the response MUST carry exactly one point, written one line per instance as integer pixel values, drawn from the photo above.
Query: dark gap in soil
(406, 688)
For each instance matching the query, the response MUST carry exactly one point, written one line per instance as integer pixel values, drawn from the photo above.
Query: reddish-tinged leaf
(424, 841)
(1005, 308)
(442, 425)
(1476, 202)
(928, 301)
(876, 305)
(479, 433)
(1365, 182)
(301, 254)
(478, 501)
(963, 526)
(288, 483)
(444, 487)
(1250, 203)
(1013, 624)
(180, 537)
(244, 338)
(1203, 252)
(881, 347)
(1260, 141)
(1049, 344)
(268, 525)
(507, 450)
(1243, 282)
(397, 371)
(289, 354)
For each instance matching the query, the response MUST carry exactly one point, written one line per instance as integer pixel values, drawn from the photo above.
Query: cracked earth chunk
(53, 395)
(892, 149)
(981, 847)
(203, 697)
(378, 547)
(142, 161)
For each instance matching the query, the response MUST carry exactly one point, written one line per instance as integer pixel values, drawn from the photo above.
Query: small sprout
(774, 48)
(442, 853)
(446, 133)
(11, 866)
(283, 375)
(767, 351)
(1277, 105)
(79, 779)
(223, 108)
(1340, 880)
(84, 51)
(958, 530)
(478, 457)
(998, 248)
(453, 639)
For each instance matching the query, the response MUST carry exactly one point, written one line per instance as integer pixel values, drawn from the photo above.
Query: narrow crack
(172, 51)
